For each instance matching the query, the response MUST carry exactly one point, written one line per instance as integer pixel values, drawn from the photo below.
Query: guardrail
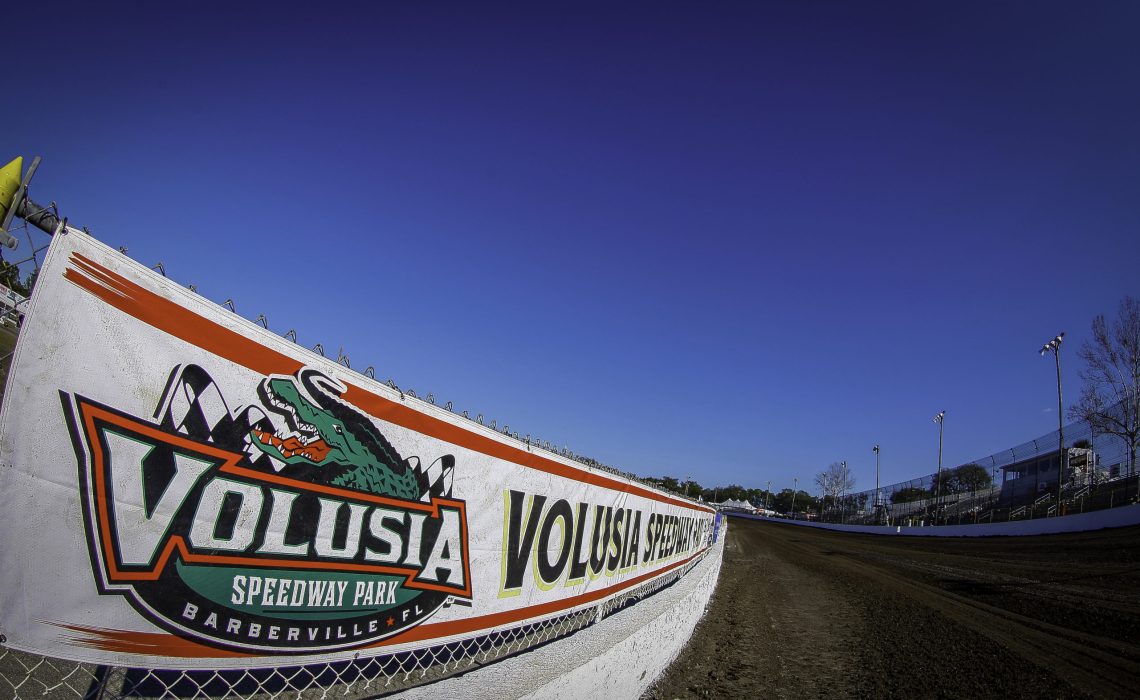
(1126, 516)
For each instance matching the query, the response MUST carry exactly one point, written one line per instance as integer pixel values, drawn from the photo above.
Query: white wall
(619, 657)
(1083, 522)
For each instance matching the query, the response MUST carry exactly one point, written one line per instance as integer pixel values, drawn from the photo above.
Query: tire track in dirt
(1095, 665)
(763, 598)
(801, 612)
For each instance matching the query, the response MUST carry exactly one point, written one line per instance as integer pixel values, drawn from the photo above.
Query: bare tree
(835, 480)
(1110, 399)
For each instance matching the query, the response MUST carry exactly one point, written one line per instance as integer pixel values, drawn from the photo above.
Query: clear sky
(732, 241)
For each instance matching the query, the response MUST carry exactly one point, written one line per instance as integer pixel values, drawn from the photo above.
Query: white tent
(735, 505)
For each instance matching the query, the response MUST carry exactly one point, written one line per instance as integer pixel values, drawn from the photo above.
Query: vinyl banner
(181, 488)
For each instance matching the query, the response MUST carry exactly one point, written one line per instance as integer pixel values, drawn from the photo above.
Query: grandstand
(1018, 483)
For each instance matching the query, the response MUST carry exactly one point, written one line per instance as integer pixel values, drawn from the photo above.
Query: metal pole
(842, 492)
(876, 505)
(795, 487)
(993, 478)
(1055, 346)
(938, 486)
(1090, 471)
(1036, 474)
(939, 462)
(41, 217)
(44, 218)
(767, 493)
(1060, 429)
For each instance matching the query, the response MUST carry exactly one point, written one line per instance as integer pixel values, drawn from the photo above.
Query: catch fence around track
(1014, 484)
(26, 675)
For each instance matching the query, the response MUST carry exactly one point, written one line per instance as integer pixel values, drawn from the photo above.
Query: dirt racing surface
(805, 613)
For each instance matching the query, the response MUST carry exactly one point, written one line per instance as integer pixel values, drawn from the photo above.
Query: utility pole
(767, 494)
(795, 487)
(938, 487)
(877, 506)
(842, 493)
(1055, 346)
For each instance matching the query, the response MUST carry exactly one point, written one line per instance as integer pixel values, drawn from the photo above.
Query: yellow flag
(9, 184)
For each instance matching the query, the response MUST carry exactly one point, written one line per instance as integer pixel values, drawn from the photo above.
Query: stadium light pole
(1055, 346)
(877, 505)
(767, 494)
(795, 487)
(938, 486)
(843, 492)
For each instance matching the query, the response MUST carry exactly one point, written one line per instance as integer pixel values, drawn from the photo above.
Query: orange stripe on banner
(148, 643)
(178, 321)
(162, 644)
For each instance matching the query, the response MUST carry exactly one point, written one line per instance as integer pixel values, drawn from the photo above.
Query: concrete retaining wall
(1123, 516)
(618, 657)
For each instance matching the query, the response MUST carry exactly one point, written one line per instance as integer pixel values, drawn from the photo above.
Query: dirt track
(800, 612)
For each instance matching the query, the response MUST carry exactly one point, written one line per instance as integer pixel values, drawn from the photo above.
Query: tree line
(10, 277)
(963, 479)
(779, 501)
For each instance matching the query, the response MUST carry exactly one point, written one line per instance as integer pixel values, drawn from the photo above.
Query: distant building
(1026, 480)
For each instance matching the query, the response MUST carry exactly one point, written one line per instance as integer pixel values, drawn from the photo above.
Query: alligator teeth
(294, 444)
(266, 438)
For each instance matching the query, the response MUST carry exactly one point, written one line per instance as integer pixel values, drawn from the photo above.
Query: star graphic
(391, 621)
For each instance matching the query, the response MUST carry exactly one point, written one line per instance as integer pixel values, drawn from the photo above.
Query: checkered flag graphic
(436, 479)
(194, 406)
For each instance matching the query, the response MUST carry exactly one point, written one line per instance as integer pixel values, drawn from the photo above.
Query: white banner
(181, 488)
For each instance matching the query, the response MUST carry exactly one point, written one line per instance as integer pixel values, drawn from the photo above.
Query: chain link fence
(28, 676)
(1017, 483)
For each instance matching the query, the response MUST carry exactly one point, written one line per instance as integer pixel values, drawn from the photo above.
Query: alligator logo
(328, 434)
(290, 526)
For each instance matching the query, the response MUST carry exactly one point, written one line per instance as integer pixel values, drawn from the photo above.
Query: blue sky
(730, 241)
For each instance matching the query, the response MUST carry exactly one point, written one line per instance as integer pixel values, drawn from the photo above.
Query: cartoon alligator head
(327, 433)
